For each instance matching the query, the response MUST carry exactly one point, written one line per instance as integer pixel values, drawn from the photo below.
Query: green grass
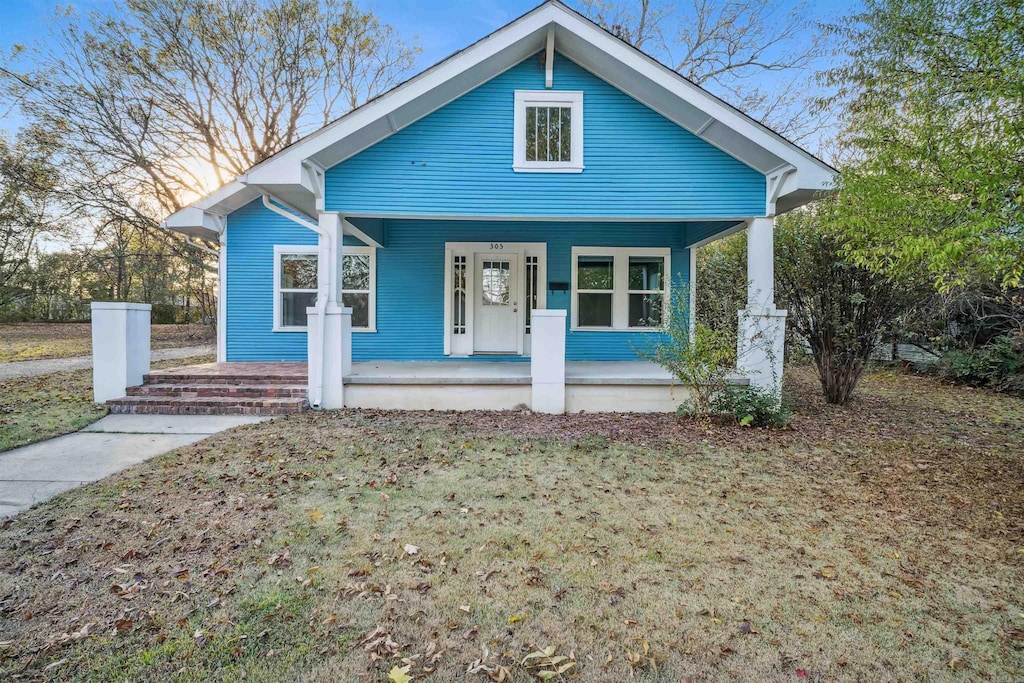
(880, 542)
(37, 408)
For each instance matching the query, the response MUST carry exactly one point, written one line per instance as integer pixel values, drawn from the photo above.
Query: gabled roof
(293, 175)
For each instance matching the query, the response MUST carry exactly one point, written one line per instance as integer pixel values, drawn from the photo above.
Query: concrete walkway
(31, 368)
(31, 474)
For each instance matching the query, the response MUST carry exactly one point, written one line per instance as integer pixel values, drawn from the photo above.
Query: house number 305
(497, 246)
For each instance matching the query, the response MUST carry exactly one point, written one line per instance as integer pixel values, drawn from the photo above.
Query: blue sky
(440, 26)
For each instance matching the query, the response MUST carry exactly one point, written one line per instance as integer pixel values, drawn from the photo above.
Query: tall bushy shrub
(839, 307)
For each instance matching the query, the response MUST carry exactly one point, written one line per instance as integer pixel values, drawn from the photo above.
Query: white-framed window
(548, 129)
(295, 286)
(620, 288)
(359, 286)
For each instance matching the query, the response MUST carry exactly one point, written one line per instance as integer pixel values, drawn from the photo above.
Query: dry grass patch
(42, 407)
(882, 542)
(34, 341)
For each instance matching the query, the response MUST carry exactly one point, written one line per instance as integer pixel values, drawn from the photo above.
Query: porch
(280, 388)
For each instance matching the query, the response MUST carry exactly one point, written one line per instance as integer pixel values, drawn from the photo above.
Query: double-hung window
(548, 128)
(295, 286)
(619, 288)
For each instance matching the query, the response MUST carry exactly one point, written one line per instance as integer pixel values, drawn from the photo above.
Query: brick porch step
(208, 405)
(172, 377)
(194, 389)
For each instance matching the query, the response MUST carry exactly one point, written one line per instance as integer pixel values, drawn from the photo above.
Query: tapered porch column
(330, 324)
(762, 327)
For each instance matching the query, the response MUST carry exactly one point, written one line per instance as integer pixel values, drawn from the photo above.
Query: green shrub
(752, 406)
(999, 365)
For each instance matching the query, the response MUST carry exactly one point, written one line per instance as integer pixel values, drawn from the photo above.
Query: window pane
(360, 305)
(298, 271)
(293, 307)
(566, 139)
(531, 133)
(355, 271)
(595, 310)
(495, 283)
(646, 272)
(645, 310)
(542, 134)
(595, 272)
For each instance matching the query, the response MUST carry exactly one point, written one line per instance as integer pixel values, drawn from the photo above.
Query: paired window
(548, 126)
(295, 286)
(617, 288)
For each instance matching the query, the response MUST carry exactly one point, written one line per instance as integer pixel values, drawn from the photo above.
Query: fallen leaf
(411, 549)
(400, 674)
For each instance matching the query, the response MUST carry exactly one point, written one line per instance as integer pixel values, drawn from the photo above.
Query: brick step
(171, 377)
(202, 390)
(209, 405)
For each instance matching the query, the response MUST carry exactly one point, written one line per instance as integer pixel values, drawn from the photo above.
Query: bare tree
(26, 178)
(726, 47)
(157, 102)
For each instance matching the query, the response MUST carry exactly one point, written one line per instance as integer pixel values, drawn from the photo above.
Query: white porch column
(328, 344)
(547, 361)
(762, 327)
(120, 347)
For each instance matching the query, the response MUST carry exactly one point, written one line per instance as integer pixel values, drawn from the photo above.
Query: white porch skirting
(603, 387)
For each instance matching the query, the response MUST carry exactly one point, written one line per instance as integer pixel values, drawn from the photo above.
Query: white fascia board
(285, 166)
(691, 93)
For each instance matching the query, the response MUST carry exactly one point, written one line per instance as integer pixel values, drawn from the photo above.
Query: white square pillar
(762, 327)
(547, 361)
(120, 347)
(332, 359)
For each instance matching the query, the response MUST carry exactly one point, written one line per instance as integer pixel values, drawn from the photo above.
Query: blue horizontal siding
(410, 282)
(457, 161)
(253, 231)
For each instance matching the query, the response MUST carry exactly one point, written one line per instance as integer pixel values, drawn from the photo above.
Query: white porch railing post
(762, 327)
(120, 347)
(547, 361)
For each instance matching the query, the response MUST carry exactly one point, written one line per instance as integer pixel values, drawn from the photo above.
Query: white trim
(463, 346)
(693, 292)
(549, 59)
(279, 251)
(314, 250)
(580, 40)
(621, 291)
(548, 98)
(222, 298)
(371, 316)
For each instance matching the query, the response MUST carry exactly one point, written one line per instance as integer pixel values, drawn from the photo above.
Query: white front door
(496, 311)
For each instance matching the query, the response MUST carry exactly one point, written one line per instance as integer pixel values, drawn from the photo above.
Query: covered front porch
(281, 387)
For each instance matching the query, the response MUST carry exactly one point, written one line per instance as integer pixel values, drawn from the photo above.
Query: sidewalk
(33, 473)
(30, 368)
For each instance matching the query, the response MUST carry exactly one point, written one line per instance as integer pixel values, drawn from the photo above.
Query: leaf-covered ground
(34, 341)
(42, 407)
(884, 541)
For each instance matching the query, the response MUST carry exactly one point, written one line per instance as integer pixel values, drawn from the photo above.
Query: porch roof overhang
(295, 175)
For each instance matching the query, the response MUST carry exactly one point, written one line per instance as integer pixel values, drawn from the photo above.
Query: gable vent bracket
(774, 180)
(549, 60)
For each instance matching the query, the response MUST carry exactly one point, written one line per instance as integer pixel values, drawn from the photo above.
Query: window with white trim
(619, 288)
(295, 286)
(548, 129)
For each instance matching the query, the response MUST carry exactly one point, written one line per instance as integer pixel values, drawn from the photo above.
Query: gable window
(548, 128)
(619, 288)
(295, 286)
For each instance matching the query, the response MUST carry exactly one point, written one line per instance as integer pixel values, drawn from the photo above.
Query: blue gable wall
(410, 282)
(457, 161)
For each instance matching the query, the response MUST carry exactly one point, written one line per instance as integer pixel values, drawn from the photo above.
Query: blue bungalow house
(534, 197)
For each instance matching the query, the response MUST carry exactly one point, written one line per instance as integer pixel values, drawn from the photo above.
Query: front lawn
(34, 341)
(880, 542)
(42, 407)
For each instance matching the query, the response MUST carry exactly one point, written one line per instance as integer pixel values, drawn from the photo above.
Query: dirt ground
(883, 541)
(33, 341)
